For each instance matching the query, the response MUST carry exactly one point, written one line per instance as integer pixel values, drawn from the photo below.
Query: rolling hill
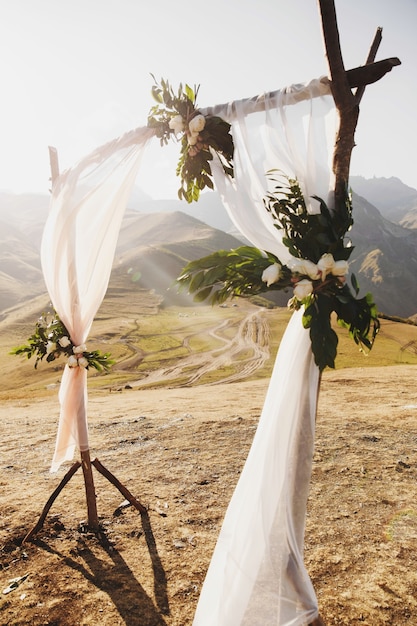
(158, 238)
(384, 260)
(396, 202)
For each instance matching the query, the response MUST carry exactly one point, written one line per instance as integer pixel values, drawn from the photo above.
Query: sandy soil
(180, 452)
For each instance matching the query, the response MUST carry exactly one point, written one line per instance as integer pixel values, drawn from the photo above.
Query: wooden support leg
(51, 500)
(123, 490)
(90, 491)
(86, 465)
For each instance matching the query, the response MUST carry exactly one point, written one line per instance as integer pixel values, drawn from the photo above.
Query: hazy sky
(76, 73)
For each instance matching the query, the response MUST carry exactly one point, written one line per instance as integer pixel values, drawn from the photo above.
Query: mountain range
(158, 237)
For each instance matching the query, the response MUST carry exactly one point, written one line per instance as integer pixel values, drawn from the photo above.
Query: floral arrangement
(51, 340)
(316, 272)
(176, 116)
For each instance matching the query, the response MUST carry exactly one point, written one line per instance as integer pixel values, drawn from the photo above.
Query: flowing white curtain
(291, 130)
(257, 575)
(79, 240)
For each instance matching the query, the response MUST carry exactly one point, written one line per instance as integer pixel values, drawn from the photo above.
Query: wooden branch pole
(90, 492)
(86, 464)
(53, 162)
(51, 500)
(123, 490)
(357, 77)
(370, 59)
(346, 102)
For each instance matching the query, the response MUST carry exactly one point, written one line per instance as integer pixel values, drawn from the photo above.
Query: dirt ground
(180, 452)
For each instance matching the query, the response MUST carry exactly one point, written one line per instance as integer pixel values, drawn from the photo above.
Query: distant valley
(158, 237)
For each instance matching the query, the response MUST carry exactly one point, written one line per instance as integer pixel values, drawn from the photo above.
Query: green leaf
(250, 253)
(196, 282)
(355, 284)
(189, 93)
(213, 276)
(202, 295)
(156, 94)
(323, 342)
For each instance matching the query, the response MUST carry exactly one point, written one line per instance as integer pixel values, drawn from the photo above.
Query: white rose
(326, 265)
(79, 349)
(271, 274)
(72, 361)
(50, 347)
(197, 124)
(192, 140)
(340, 268)
(176, 124)
(64, 342)
(305, 267)
(83, 362)
(303, 288)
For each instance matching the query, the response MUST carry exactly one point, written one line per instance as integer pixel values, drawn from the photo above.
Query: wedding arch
(306, 131)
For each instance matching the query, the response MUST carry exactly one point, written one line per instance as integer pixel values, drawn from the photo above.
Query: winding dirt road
(245, 353)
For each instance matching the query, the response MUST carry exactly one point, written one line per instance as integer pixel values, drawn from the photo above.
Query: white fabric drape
(257, 575)
(79, 240)
(293, 131)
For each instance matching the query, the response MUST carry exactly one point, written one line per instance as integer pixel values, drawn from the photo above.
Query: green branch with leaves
(51, 340)
(316, 272)
(201, 136)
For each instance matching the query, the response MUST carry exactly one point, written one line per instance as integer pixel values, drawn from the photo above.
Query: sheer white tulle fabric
(79, 240)
(257, 575)
(291, 131)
